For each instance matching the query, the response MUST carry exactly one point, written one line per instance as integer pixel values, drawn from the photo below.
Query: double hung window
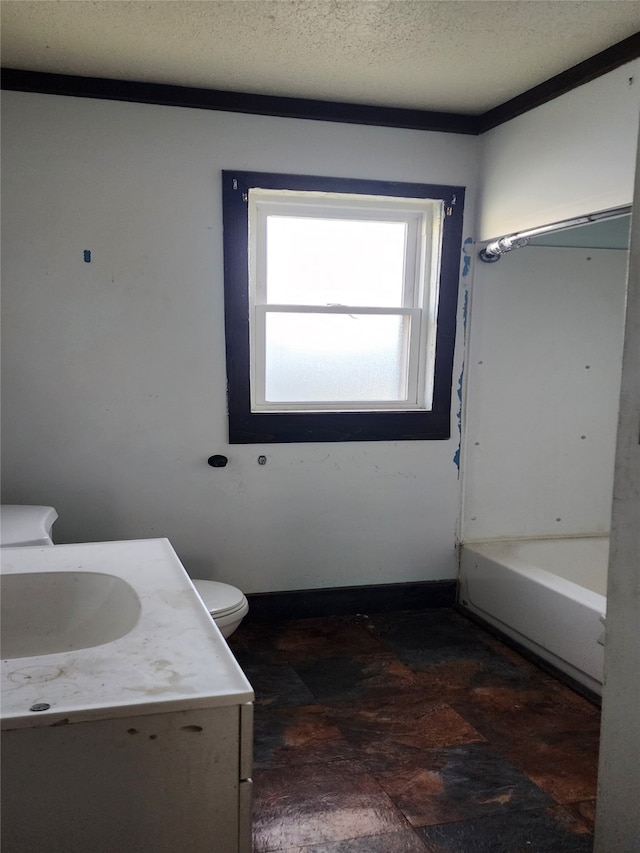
(340, 307)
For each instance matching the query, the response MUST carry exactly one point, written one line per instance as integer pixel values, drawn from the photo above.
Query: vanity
(127, 724)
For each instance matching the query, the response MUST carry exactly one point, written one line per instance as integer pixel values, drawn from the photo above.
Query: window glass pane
(334, 262)
(336, 357)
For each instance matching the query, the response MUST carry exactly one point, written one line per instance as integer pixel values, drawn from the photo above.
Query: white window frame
(424, 231)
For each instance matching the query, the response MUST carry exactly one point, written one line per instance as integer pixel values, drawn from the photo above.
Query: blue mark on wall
(456, 455)
(466, 257)
(87, 256)
(466, 269)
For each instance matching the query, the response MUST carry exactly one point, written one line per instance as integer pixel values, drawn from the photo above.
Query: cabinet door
(162, 783)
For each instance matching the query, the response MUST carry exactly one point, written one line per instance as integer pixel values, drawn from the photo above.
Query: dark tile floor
(411, 732)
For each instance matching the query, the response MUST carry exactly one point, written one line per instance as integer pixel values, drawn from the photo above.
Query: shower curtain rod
(494, 250)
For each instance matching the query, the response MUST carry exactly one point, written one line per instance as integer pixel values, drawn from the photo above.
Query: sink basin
(106, 630)
(45, 613)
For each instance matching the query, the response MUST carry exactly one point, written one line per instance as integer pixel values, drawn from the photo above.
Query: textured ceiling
(450, 55)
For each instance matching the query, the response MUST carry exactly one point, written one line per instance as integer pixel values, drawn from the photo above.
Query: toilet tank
(26, 525)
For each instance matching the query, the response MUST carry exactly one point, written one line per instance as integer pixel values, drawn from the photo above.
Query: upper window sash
(422, 218)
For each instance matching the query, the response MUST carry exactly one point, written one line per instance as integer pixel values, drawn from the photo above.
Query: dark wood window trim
(247, 427)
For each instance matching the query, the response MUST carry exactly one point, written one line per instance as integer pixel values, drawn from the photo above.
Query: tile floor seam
(534, 808)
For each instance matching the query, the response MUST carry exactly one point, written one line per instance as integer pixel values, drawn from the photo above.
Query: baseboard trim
(350, 600)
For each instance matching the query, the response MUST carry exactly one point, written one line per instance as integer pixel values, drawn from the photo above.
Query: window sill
(288, 427)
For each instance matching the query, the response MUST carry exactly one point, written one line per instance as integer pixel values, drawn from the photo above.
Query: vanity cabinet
(127, 724)
(163, 782)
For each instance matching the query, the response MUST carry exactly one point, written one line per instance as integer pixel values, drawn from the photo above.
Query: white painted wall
(618, 816)
(114, 372)
(572, 156)
(543, 376)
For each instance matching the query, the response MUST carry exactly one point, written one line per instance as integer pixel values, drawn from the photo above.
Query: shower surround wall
(114, 364)
(543, 370)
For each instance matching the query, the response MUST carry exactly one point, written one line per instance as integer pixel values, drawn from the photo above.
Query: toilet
(227, 605)
(31, 525)
(26, 525)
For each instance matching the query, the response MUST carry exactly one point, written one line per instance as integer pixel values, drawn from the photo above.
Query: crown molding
(303, 108)
(235, 102)
(603, 62)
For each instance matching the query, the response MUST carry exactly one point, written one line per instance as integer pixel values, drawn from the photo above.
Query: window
(340, 307)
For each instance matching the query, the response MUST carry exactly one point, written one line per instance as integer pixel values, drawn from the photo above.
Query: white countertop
(173, 658)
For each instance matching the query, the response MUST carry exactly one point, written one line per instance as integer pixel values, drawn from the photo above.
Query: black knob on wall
(217, 461)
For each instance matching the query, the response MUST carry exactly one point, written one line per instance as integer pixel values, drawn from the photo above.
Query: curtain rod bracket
(495, 250)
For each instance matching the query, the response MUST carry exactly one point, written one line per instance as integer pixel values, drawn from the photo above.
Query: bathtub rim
(547, 578)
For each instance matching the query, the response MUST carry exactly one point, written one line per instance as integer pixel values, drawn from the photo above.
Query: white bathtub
(547, 594)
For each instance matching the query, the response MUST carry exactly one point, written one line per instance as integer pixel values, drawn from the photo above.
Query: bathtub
(547, 594)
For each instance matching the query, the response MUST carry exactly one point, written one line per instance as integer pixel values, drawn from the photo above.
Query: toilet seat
(226, 604)
(22, 525)
(221, 599)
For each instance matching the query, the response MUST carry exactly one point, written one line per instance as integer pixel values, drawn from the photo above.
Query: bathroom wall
(114, 372)
(543, 370)
(571, 156)
(618, 818)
